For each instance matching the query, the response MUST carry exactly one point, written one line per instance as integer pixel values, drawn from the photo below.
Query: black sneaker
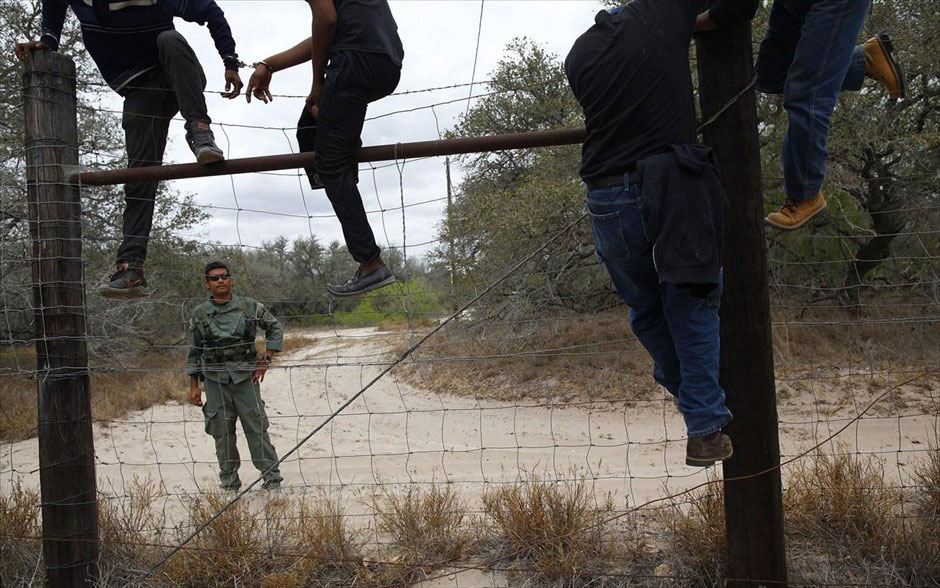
(272, 484)
(127, 282)
(202, 142)
(360, 284)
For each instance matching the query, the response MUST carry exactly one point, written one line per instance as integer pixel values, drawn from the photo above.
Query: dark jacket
(682, 205)
(121, 35)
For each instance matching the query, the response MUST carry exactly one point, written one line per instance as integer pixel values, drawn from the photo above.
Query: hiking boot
(127, 282)
(705, 451)
(201, 140)
(794, 213)
(273, 484)
(360, 284)
(881, 66)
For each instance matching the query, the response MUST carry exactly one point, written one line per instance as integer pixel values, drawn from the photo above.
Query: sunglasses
(219, 277)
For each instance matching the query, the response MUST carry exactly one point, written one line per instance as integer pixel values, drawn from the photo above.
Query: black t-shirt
(368, 26)
(630, 73)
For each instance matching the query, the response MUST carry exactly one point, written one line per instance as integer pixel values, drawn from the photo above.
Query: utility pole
(753, 495)
(66, 447)
(450, 236)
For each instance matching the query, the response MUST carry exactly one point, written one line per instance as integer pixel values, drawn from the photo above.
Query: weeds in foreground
(550, 533)
(130, 529)
(694, 547)
(426, 527)
(846, 524)
(20, 548)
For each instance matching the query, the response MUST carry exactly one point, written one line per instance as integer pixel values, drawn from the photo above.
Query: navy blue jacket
(682, 205)
(123, 42)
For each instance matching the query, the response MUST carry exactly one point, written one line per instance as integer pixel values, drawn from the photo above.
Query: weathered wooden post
(753, 505)
(66, 447)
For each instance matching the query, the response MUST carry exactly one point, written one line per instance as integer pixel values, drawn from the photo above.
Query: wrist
(263, 65)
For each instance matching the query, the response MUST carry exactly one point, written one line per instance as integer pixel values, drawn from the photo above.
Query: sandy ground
(395, 436)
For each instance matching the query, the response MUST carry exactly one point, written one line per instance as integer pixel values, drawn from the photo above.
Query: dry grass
(595, 356)
(598, 357)
(547, 533)
(884, 337)
(113, 394)
(694, 549)
(426, 528)
(845, 523)
(843, 500)
(20, 552)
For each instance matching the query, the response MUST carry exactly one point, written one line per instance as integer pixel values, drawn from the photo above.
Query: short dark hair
(212, 265)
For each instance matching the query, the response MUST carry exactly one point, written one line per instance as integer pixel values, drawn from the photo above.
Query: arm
(53, 19)
(260, 81)
(724, 13)
(273, 340)
(324, 31)
(207, 12)
(193, 363)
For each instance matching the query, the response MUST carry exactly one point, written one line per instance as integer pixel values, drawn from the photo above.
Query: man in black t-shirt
(356, 56)
(630, 73)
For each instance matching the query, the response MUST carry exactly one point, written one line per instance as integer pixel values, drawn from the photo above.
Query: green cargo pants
(225, 403)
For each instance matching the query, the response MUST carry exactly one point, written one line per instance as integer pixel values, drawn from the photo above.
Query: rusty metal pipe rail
(297, 160)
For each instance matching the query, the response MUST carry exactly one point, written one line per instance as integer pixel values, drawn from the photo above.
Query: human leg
(693, 322)
(353, 80)
(149, 104)
(250, 408)
(815, 78)
(627, 255)
(182, 69)
(220, 413)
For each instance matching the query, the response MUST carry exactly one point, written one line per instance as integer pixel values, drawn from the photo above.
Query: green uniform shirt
(219, 348)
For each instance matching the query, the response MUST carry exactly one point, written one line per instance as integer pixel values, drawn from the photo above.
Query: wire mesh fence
(489, 420)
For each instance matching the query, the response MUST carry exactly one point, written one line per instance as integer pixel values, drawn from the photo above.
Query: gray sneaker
(705, 451)
(127, 282)
(360, 284)
(273, 484)
(202, 142)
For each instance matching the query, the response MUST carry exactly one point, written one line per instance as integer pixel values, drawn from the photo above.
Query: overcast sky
(439, 37)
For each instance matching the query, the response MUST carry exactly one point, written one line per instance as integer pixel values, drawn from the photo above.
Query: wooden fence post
(66, 448)
(753, 505)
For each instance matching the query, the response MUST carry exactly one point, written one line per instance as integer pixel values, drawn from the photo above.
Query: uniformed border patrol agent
(222, 352)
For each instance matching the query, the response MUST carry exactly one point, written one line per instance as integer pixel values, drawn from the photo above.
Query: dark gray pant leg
(182, 69)
(353, 80)
(149, 104)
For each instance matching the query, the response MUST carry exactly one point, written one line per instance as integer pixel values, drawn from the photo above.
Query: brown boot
(794, 213)
(705, 451)
(880, 65)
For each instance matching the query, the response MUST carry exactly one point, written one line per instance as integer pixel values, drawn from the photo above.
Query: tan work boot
(794, 213)
(705, 451)
(880, 65)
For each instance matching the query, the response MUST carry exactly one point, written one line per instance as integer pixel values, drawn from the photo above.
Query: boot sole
(798, 225)
(887, 47)
(205, 156)
(704, 463)
(387, 281)
(124, 294)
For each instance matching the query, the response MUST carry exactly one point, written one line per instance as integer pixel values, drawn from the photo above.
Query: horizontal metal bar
(297, 160)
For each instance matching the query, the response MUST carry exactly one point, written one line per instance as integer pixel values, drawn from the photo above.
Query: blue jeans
(678, 328)
(810, 55)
